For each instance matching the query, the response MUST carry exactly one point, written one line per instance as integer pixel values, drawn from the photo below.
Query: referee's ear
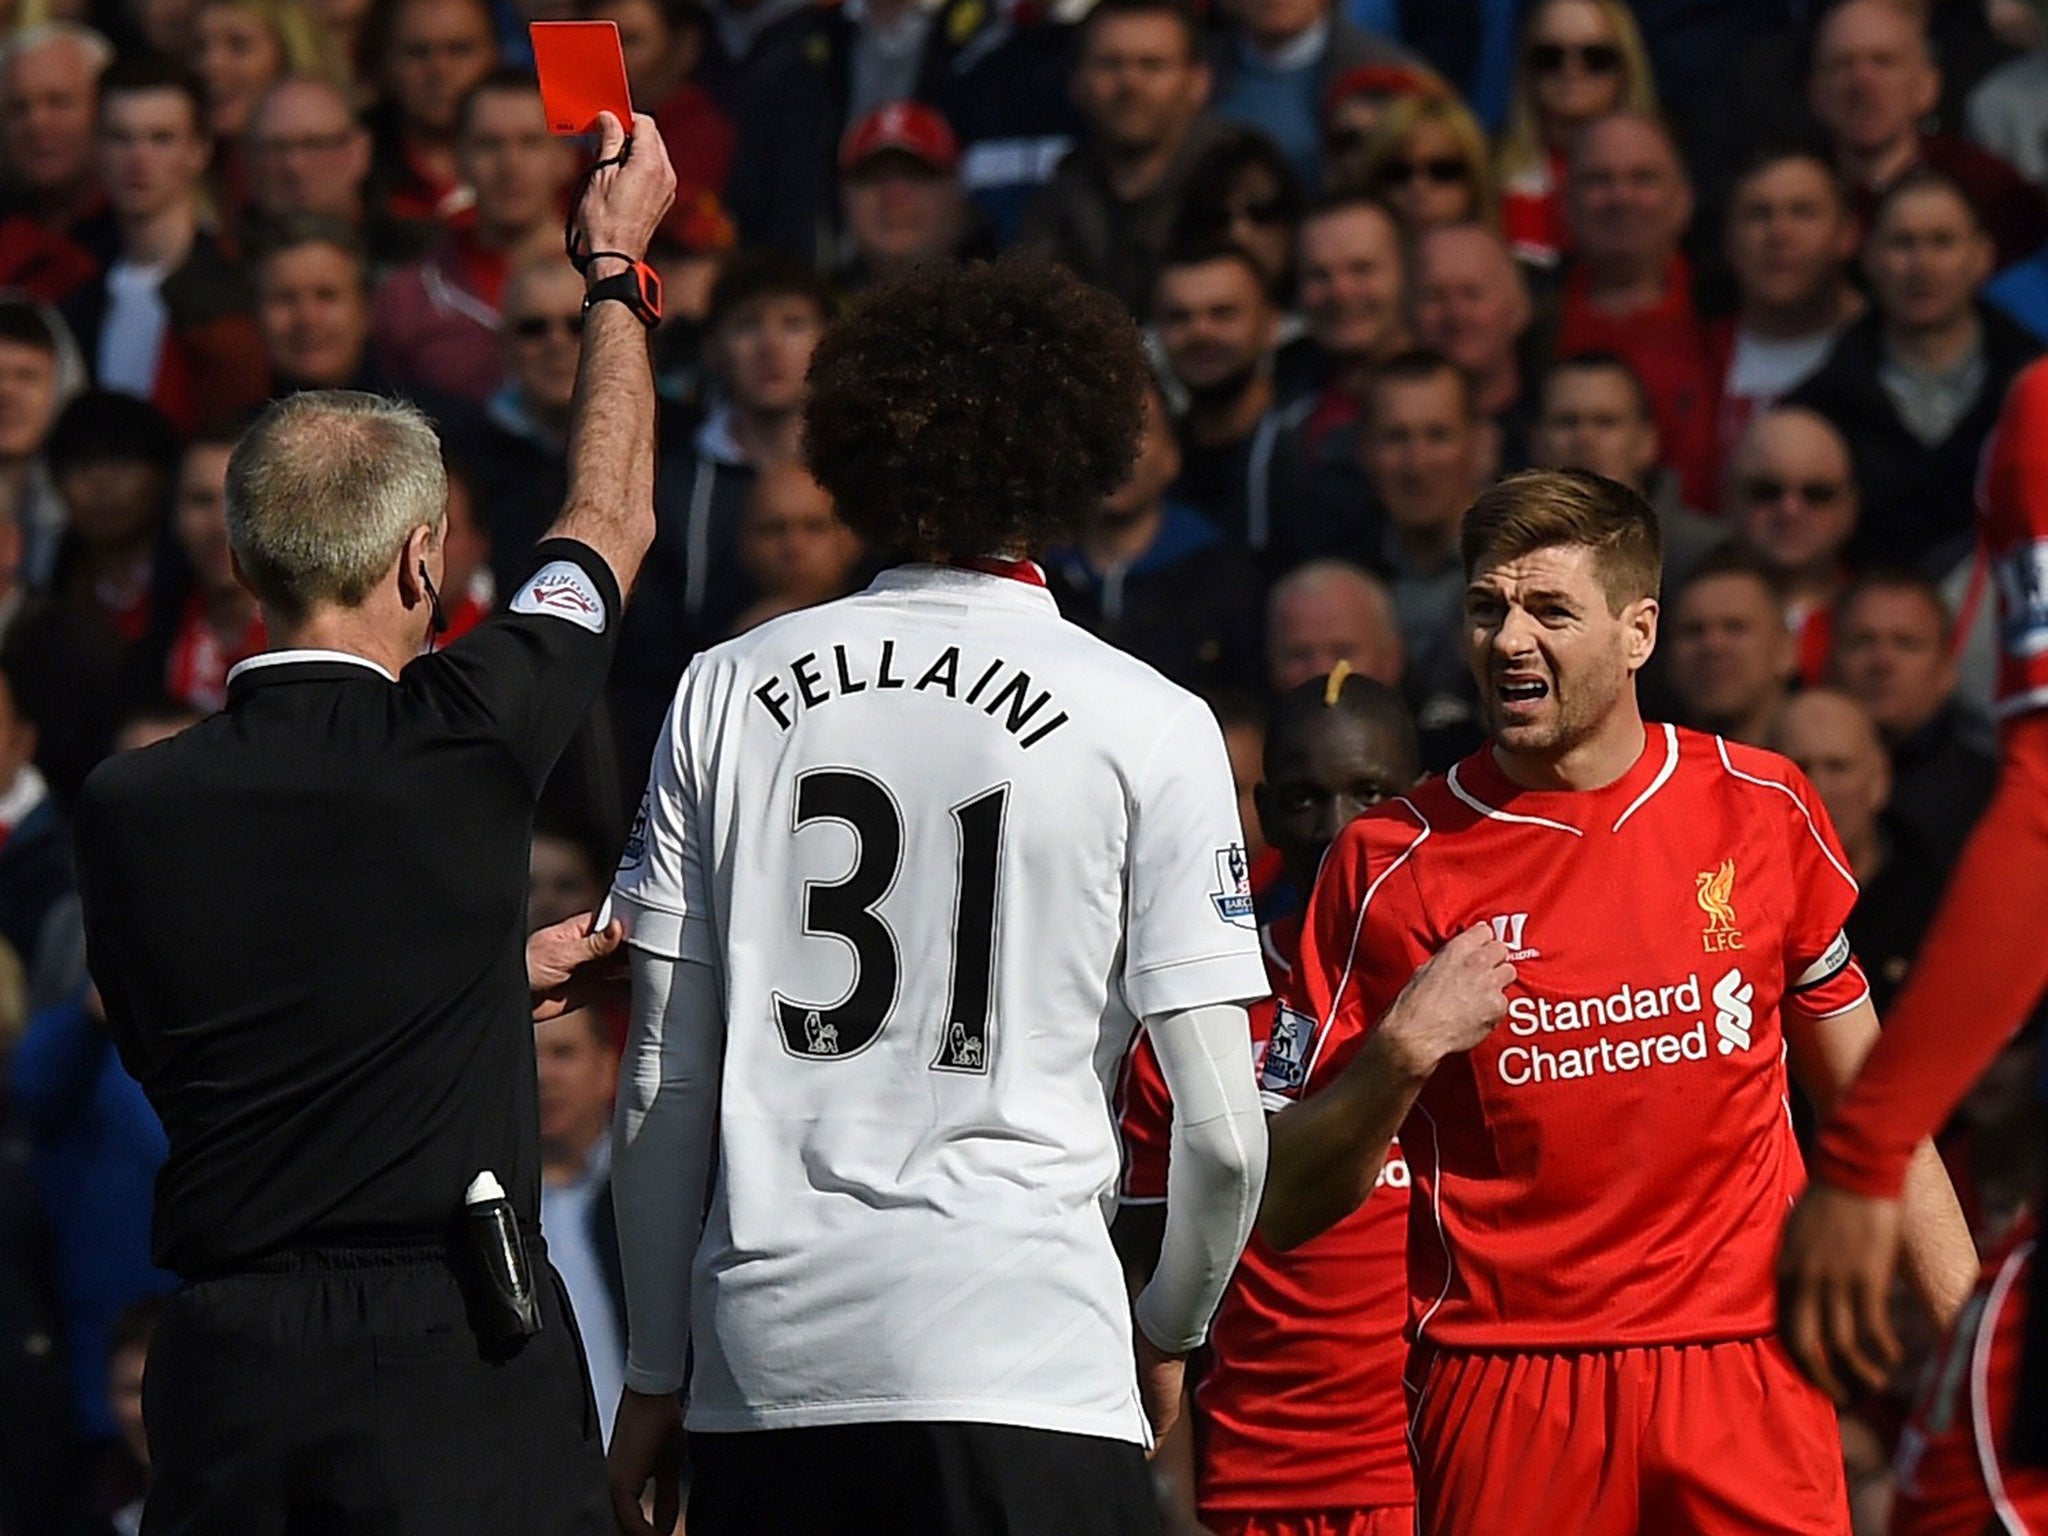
(422, 548)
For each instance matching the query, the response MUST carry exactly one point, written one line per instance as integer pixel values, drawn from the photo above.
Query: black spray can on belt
(504, 1279)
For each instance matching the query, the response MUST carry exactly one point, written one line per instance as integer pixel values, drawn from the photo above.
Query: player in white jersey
(912, 867)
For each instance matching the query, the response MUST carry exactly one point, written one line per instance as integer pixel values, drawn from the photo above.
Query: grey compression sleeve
(1216, 1175)
(662, 1137)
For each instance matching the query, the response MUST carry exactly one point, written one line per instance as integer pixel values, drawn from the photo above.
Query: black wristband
(638, 288)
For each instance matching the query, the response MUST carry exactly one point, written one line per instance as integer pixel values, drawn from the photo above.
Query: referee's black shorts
(918, 1479)
(344, 1393)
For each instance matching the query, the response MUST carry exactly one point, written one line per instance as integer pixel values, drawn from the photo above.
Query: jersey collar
(290, 658)
(1027, 571)
(977, 582)
(1479, 784)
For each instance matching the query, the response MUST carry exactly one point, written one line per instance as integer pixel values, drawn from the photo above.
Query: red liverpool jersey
(1611, 1167)
(2013, 506)
(1300, 1406)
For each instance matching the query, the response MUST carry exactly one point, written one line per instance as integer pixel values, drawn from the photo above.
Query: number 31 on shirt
(844, 909)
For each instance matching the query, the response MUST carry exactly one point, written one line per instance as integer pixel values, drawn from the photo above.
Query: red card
(582, 73)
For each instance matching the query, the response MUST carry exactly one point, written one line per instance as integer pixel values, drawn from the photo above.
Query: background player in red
(1981, 972)
(1299, 1425)
(1596, 1184)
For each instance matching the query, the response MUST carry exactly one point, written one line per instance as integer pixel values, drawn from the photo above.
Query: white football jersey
(944, 850)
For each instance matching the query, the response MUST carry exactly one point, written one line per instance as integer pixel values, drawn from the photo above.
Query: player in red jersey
(1596, 1185)
(1299, 1424)
(1981, 971)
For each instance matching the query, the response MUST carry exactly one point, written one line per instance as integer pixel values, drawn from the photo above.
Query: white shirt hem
(1125, 1424)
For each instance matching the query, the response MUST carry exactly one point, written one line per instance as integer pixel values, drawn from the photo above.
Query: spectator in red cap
(901, 198)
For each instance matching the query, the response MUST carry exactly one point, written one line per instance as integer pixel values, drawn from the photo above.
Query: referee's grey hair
(322, 491)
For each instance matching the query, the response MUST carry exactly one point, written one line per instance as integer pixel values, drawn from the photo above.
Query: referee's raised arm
(611, 428)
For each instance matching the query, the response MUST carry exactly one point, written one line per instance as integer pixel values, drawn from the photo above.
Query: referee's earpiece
(440, 618)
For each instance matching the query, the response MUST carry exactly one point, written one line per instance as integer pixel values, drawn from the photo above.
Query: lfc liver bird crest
(1715, 892)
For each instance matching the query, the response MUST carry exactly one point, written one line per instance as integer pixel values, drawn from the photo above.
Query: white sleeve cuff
(659, 931)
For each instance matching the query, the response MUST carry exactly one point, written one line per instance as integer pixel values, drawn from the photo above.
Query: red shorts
(1380, 1520)
(1680, 1440)
(1951, 1476)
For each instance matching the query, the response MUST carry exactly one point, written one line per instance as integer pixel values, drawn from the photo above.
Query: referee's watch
(638, 288)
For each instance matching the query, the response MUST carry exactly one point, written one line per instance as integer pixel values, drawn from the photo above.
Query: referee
(306, 916)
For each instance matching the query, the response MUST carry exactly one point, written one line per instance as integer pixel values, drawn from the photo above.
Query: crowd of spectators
(1771, 263)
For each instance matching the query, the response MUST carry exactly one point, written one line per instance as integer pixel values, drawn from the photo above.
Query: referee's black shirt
(306, 915)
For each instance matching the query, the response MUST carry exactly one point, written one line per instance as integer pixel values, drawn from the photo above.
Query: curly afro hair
(975, 410)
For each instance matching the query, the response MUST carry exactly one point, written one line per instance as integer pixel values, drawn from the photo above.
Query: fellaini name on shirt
(1005, 693)
(1529, 1017)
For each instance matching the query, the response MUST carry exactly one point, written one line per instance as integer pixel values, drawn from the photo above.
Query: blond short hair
(322, 492)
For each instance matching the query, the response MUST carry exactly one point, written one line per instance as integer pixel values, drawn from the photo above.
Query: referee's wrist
(602, 267)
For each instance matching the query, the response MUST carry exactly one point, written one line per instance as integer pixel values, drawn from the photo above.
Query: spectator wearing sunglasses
(1915, 386)
(1279, 60)
(1243, 191)
(1628, 287)
(1355, 105)
(1789, 240)
(1430, 163)
(1580, 60)
(1792, 499)
(1873, 83)
(516, 446)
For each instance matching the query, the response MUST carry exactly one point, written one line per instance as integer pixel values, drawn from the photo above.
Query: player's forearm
(1936, 1254)
(661, 1159)
(1328, 1150)
(611, 440)
(1213, 1182)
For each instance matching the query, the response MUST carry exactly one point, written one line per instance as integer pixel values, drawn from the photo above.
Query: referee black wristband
(638, 288)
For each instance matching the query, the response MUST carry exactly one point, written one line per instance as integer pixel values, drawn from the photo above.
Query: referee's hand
(569, 965)
(623, 203)
(647, 1447)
